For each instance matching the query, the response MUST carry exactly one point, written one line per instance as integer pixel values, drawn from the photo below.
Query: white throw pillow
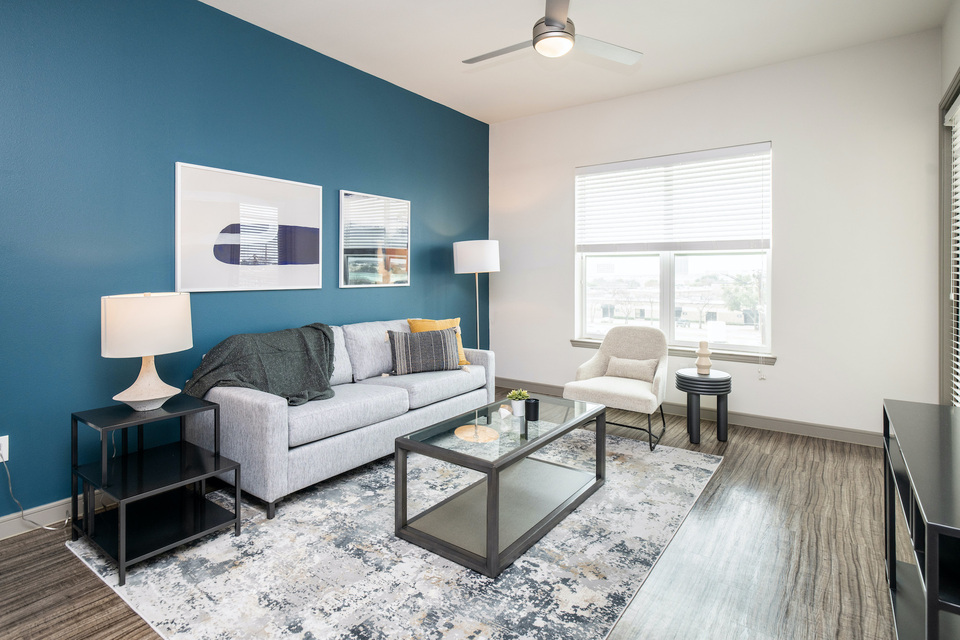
(629, 368)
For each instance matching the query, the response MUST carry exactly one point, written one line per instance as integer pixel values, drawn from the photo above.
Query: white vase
(517, 407)
(703, 359)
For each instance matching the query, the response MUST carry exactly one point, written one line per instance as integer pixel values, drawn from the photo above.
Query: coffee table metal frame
(496, 560)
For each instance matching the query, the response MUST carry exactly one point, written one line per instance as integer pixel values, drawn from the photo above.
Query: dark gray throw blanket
(293, 363)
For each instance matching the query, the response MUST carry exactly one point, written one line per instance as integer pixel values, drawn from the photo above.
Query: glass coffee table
(522, 495)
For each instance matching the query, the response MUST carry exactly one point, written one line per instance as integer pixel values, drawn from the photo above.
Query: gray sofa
(282, 449)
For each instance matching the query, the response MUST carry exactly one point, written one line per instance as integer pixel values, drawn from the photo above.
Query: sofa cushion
(352, 406)
(617, 393)
(630, 368)
(433, 386)
(369, 348)
(426, 351)
(422, 324)
(342, 369)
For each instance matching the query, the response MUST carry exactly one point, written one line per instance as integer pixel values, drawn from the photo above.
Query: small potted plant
(516, 398)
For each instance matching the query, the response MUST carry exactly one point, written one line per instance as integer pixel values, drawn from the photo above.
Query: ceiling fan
(554, 36)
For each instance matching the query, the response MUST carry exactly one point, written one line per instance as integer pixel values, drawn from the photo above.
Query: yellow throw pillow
(420, 324)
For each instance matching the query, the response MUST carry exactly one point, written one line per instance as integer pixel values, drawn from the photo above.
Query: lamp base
(149, 391)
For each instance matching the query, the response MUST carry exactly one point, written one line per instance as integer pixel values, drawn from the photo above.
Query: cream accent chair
(629, 394)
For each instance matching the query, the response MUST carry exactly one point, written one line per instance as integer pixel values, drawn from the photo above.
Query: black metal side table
(160, 491)
(715, 383)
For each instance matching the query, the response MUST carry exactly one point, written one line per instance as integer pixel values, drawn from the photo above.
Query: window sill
(690, 352)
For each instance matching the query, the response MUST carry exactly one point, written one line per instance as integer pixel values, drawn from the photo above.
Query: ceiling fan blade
(556, 15)
(609, 51)
(499, 52)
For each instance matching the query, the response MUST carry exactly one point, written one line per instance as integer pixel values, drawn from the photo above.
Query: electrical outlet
(4, 448)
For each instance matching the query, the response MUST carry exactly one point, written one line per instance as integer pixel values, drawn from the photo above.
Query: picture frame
(242, 232)
(374, 241)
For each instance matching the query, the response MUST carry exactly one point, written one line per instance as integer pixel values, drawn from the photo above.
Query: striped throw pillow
(424, 351)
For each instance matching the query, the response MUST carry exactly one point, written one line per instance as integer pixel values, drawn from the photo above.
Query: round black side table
(715, 383)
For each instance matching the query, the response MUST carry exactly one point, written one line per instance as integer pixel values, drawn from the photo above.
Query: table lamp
(476, 257)
(145, 325)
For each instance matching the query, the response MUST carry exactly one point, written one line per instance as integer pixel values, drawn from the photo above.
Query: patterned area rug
(328, 566)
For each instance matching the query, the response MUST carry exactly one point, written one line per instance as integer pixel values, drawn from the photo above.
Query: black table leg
(601, 436)
(722, 417)
(122, 543)
(74, 481)
(693, 417)
(493, 522)
(400, 488)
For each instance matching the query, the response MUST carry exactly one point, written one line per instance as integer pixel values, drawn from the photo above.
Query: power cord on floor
(23, 516)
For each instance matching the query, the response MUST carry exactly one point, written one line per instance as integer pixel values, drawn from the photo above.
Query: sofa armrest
(486, 360)
(254, 432)
(660, 380)
(593, 368)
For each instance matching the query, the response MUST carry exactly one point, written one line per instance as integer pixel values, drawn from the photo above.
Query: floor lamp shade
(145, 325)
(476, 257)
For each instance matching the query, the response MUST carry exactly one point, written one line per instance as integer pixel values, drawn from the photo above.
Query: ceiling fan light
(554, 45)
(553, 40)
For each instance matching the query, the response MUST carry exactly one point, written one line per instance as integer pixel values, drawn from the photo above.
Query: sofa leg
(271, 509)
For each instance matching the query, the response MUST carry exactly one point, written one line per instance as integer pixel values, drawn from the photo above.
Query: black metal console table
(922, 472)
(160, 491)
(715, 383)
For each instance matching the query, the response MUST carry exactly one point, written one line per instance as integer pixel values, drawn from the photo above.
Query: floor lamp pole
(476, 283)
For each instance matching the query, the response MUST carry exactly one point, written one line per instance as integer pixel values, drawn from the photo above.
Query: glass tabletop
(493, 432)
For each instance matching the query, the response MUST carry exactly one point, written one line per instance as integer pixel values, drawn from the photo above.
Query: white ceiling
(418, 44)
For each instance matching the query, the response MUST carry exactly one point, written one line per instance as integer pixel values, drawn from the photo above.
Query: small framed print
(374, 241)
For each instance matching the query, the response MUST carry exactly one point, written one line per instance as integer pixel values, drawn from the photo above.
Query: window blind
(259, 243)
(952, 120)
(375, 223)
(707, 200)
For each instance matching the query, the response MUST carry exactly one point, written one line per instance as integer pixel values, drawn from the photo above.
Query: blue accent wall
(98, 100)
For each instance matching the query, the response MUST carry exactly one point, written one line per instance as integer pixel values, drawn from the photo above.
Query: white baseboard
(52, 514)
(841, 434)
(48, 514)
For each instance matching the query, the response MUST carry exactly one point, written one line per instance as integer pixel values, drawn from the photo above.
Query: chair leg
(651, 442)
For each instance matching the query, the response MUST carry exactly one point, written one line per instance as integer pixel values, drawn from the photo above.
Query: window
(952, 121)
(688, 232)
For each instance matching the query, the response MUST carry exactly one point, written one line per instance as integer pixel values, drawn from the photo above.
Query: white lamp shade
(476, 256)
(144, 324)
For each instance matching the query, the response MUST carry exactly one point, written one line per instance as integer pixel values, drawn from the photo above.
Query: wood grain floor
(786, 542)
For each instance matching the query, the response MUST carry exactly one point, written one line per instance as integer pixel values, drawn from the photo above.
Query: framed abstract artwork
(241, 232)
(374, 241)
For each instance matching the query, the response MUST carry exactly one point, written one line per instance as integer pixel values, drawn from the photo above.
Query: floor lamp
(476, 257)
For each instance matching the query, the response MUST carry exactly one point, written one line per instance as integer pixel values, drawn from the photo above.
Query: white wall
(854, 279)
(950, 49)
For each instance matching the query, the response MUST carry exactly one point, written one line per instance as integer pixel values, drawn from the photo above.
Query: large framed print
(374, 241)
(241, 232)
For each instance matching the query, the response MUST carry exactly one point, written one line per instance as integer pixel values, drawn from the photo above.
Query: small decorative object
(703, 359)
(532, 409)
(517, 398)
(505, 411)
(476, 433)
(144, 325)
